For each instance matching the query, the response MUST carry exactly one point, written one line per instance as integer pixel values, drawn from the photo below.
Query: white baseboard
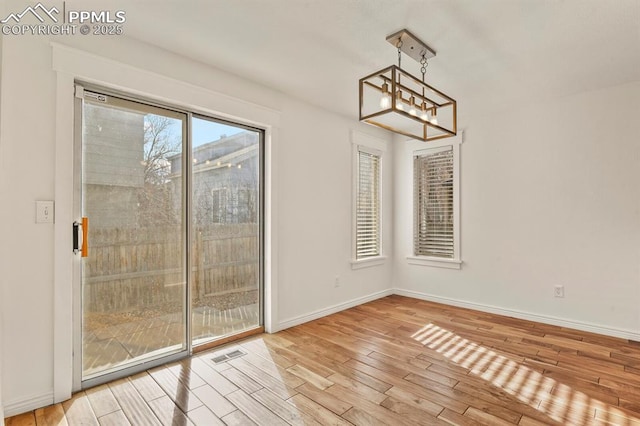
(12, 408)
(291, 322)
(545, 319)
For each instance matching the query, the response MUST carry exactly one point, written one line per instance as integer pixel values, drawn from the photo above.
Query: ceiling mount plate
(411, 45)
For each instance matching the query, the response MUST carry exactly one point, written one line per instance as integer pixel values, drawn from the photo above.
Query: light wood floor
(395, 361)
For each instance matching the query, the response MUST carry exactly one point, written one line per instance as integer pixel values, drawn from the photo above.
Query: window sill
(435, 262)
(368, 262)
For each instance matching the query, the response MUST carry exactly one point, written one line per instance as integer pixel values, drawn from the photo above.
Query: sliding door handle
(84, 224)
(85, 232)
(76, 225)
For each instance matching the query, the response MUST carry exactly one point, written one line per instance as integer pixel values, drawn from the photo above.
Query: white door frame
(71, 64)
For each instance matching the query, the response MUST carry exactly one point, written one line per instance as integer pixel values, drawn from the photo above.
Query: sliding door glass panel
(133, 280)
(226, 238)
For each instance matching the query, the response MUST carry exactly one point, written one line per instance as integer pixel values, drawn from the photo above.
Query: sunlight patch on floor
(557, 400)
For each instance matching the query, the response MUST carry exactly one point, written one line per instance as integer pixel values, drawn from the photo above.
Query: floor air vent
(226, 357)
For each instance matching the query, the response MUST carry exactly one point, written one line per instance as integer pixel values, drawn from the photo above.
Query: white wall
(550, 195)
(1, 219)
(316, 235)
(26, 251)
(313, 226)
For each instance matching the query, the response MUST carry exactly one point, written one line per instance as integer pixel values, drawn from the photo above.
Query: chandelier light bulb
(412, 106)
(423, 113)
(399, 101)
(434, 118)
(385, 101)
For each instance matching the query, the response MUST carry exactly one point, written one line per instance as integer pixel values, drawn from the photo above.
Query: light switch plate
(44, 211)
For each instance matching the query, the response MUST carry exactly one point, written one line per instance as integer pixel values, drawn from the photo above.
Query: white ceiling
(489, 52)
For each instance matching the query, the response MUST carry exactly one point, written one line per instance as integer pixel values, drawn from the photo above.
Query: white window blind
(433, 203)
(368, 205)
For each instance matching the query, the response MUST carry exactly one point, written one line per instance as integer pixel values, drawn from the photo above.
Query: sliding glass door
(226, 217)
(171, 243)
(134, 302)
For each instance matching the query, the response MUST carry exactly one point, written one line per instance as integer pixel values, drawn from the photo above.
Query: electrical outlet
(558, 291)
(336, 283)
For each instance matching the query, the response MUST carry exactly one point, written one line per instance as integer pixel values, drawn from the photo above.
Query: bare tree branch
(161, 141)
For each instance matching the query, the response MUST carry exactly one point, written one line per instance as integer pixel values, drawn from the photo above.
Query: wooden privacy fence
(141, 268)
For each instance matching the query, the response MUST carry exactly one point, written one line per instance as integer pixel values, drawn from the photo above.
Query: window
(367, 250)
(435, 203)
(368, 205)
(218, 205)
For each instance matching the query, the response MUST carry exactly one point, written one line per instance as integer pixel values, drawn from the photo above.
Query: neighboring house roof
(231, 159)
(221, 153)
